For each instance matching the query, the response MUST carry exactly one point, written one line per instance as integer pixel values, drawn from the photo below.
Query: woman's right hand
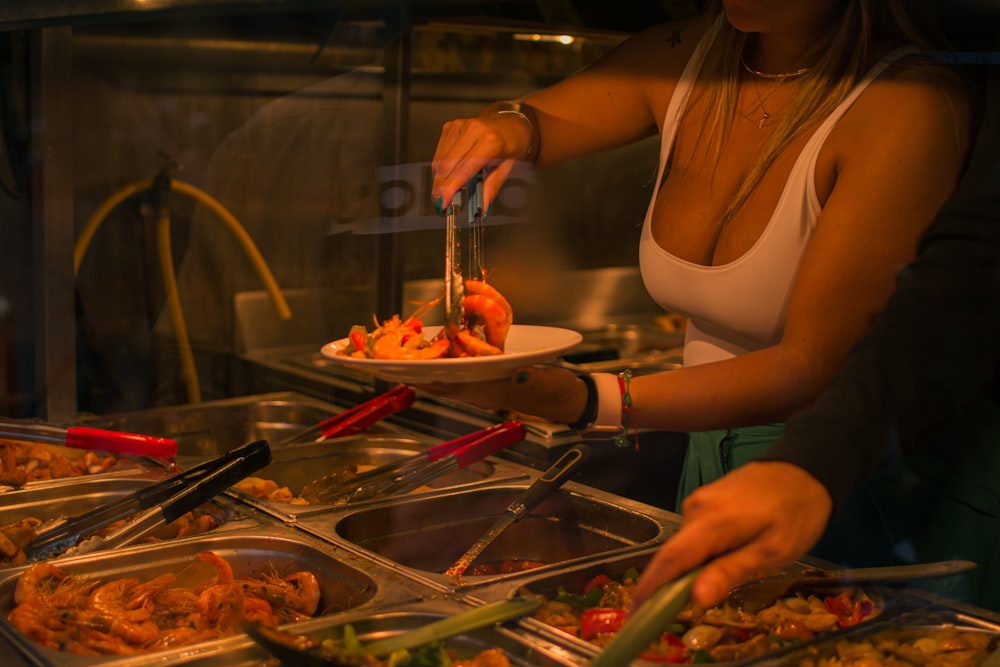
(491, 141)
(552, 393)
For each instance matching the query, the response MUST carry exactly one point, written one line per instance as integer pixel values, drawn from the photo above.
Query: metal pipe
(50, 72)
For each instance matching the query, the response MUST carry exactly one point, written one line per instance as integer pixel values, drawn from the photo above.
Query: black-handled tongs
(152, 506)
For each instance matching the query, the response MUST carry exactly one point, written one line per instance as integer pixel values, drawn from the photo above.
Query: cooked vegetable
(647, 623)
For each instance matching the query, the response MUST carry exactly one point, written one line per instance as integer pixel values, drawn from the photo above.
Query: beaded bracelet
(621, 440)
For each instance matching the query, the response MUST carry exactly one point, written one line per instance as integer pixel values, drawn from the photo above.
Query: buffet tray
(520, 650)
(123, 466)
(916, 625)
(346, 583)
(79, 496)
(422, 534)
(214, 427)
(897, 604)
(295, 466)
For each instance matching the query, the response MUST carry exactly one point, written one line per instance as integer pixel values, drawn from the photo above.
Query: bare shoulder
(918, 95)
(664, 46)
(912, 104)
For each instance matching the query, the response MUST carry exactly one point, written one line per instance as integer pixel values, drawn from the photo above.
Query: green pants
(711, 454)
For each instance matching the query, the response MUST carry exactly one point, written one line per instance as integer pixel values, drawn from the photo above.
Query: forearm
(759, 387)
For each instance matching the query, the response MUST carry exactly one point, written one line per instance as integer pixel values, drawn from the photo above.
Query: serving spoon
(759, 593)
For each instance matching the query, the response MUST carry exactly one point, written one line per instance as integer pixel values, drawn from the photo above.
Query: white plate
(526, 345)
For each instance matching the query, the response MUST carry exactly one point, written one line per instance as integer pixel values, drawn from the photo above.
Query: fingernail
(439, 205)
(521, 377)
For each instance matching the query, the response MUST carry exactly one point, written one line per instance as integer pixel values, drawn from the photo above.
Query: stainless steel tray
(521, 651)
(82, 495)
(297, 465)
(346, 582)
(122, 466)
(421, 535)
(213, 427)
(573, 579)
(913, 625)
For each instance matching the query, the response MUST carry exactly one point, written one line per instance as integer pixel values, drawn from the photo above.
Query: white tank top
(740, 306)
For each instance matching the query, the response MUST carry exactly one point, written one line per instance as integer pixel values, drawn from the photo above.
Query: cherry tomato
(598, 620)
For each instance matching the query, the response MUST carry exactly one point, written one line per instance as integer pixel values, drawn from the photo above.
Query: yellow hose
(174, 306)
(167, 266)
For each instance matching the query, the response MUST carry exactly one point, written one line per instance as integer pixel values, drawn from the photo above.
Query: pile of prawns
(127, 616)
(486, 320)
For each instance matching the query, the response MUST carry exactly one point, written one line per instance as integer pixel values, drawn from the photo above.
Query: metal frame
(51, 132)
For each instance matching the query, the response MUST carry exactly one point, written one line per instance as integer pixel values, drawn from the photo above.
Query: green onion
(647, 623)
(676, 629)
(474, 619)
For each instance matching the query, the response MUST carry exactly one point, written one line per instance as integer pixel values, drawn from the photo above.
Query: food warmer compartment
(422, 535)
(899, 612)
(345, 582)
(210, 428)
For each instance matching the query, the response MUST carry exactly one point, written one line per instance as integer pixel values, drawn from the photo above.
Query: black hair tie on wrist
(590, 409)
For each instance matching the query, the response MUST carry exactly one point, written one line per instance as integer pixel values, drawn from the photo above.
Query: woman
(802, 155)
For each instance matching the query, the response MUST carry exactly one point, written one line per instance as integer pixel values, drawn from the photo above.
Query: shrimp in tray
(486, 320)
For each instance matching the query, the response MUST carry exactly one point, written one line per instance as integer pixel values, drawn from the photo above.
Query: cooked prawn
(115, 599)
(299, 592)
(38, 580)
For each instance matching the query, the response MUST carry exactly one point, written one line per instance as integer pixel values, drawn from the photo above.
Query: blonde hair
(841, 61)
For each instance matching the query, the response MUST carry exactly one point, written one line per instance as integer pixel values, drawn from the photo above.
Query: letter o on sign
(396, 197)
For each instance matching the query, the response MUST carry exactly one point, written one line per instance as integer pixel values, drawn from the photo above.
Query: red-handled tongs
(84, 437)
(413, 471)
(358, 418)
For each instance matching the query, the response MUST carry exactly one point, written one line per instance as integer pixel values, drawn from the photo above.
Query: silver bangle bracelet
(526, 114)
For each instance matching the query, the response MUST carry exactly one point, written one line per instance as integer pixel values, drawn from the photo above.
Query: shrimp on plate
(486, 320)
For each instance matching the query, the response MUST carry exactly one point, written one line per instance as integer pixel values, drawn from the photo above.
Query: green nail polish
(521, 377)
(439, 205)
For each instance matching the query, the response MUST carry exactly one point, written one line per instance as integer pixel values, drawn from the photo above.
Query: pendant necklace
(765, 116)
(779, 79)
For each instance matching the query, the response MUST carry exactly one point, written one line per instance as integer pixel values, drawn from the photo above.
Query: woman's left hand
(763, 515)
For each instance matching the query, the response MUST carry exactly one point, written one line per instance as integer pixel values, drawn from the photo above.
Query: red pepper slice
(359, 337)
(600, 620)
(669, 650)
(848, 611)
(600, 581)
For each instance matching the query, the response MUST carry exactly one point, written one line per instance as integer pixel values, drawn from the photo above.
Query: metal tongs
(152, 506)
(454, 283)
(358, 418)
(547, 483)
(411, 472)
(84, 437)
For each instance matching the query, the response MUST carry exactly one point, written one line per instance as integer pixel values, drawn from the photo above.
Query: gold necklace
(767, 75)
(760, 104)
